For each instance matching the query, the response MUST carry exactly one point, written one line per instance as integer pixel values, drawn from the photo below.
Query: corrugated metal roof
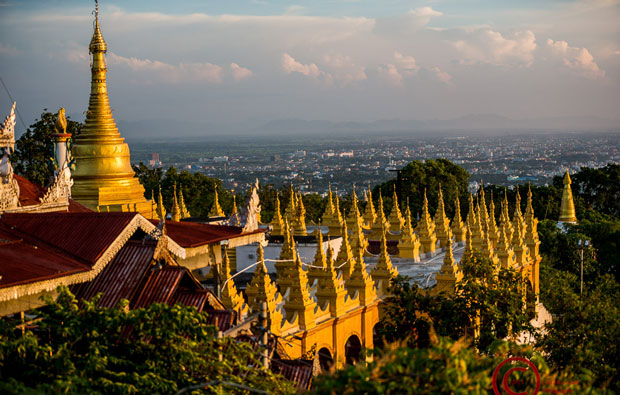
(75, 207)
(23, 262)
(82, 235)
(121, 277)
(192, 234)
(190, 297)
(222, 319)
(296, 370)
(159, 286)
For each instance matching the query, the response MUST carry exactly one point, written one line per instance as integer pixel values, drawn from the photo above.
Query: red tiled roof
(81, 235)
(75, 207)
(23, 262)
(29, 192)
(121, 277)
(159, 286)
(193, 234)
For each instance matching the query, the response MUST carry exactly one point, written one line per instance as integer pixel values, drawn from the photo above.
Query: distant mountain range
(481, 123)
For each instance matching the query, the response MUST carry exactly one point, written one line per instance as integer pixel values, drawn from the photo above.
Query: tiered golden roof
(175, 211)
(344, 260)
(360, 281)
(184, 211)
(299, 300)
(396, 219)
(492, 224)
(231, 299)
(317, 268)
(262, 289)
(161, 210)
(103, 177)
(567, 207)
(531, 232)
(277, 223)
(331, 289)
(378, 227)
(370, 215)
(331, 217)
(300, 218)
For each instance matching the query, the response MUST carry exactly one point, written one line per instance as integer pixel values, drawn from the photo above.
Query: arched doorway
(325, 359)
(352, 350)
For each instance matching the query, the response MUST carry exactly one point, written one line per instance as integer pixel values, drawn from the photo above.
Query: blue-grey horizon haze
(249, 62)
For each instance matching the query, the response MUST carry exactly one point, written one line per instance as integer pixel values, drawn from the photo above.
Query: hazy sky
(222, 61)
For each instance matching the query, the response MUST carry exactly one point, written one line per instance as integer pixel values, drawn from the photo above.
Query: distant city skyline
(245, 61)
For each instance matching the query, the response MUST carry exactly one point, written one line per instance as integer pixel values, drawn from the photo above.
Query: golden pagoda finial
(331, 289)
(409, 243)
(299, 300)
(360, 281)
(277, 223)
(175, 212)
(484, 214)
(216, 210)
(384, 271)
(492, 228)
(344, 260)
(442, 223)
(316, 270)
(567, 207)
(161, 211)
(183, 208)
(300, 218)
(287, 257)
(262, 289)
(504, 217)
(337, 207)
(505, 252)
(370, 215)
(458, 226)
(469, 247)
(531, 232)
(330, 202)
(448, 274)
(377, 228)
(231, 298)
(396, 219)
(103, 179)
(354, 213)
(426, 229)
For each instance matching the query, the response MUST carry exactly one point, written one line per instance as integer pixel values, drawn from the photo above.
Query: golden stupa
(567, 207)
(103, 177)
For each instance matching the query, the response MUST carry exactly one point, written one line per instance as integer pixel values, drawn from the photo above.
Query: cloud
(442, 75)
(239, 73)
(344, 69)
(290, 65)
(183, 72)
(575, 58)
(390, 73)
(7, 50)
(488, 46)
(409, 22)
(407, 64)
(423, 15)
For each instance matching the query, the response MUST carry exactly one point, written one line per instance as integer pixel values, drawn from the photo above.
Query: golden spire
(426, 229)
(103, 176)
(505, 252)
(531, 232)
(358, 241)
(492, 227)
(299, 300)
(337, 207)
(449, 264)
(384, 271)
(330, 203)
(277, 224)
(567, 208)
(287, 257)
(161, 210)
(316, 270)
(458, 227)
(231, 298)
(354, 213)
(504, 217)
(370, 215)
(330, 217)
(290, 214)
(262, 289)
(331, 289)
(442, 223)
(448, 275)
(378, 227)
(176, 211)
(344, 260)
(216, 210)
(396, 219)
(300, 218)
(184, 211)
(409, 243)
(234, 214)
(361, 282)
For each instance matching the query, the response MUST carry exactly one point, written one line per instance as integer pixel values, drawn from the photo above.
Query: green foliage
(446, 367)
(494, 298)
(84, 348)
(33, 150)
(418, 177)
(583, 336)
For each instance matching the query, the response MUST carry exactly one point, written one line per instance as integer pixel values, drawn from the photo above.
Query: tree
(84, 348)
(490, 301)
(33, 150)
(446, 367)
(427, 176)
